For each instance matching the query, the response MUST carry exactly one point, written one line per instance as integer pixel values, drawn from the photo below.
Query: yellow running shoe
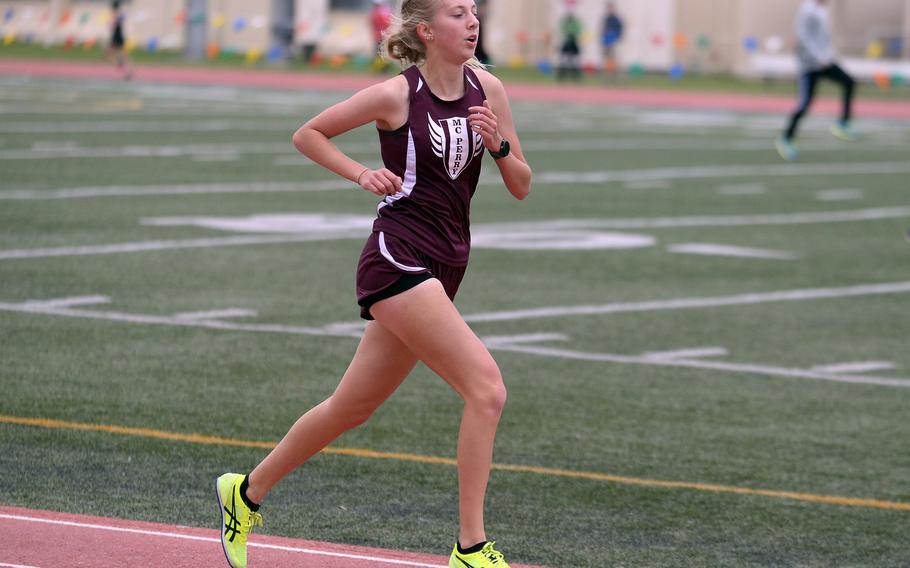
(236, 518)
(844, 131)
(486, 557)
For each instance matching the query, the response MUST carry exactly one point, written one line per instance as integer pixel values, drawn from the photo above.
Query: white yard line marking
(686, 353)
(855, 367)
(216, 314)
(709, 172)
(524, 338)
(519, 343)
(169, 151)
(797, 295)
(47, 308)
(839, 194)
(512, 228)
(68, 302)
(213, 125)
(183, 189)
(227, 157)
(176, 535)
(164, 151)
(710, 249)
(743, 368)
(742, 189)
(145, 246)
(805, 218)
(648, 184)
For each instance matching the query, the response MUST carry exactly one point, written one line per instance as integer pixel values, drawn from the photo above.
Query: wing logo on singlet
(454, 142)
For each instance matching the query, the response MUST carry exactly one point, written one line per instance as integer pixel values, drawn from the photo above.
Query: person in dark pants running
(116, 49)
(815, 52)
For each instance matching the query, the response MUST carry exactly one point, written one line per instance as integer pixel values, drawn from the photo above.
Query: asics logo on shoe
(232, 523)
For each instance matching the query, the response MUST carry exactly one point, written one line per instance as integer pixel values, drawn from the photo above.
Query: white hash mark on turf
(216, 314)
(686, 353)
(742, 189)
(856, 367)
(709, 249)
(839, 195)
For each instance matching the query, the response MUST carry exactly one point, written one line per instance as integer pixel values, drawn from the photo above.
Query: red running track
(865, 108)
(46, 539)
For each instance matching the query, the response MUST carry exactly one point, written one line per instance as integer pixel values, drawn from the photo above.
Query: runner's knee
(486, 390)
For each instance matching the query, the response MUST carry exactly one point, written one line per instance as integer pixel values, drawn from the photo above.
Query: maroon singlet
(438, 158)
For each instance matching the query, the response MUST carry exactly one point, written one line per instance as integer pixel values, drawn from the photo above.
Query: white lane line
(686, 353)
(15, 565)
(797, 295)
(710, 249)
(183, 189)
(743, 368)
(164, 534)
(708, 172)
(856, 367)
(216, 314)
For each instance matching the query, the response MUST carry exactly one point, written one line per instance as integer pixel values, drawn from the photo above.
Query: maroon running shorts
(389, 266)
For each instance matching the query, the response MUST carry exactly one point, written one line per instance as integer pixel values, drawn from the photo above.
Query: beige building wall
(659, 33)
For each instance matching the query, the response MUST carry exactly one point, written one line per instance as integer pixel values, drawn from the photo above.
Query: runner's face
(455, 28)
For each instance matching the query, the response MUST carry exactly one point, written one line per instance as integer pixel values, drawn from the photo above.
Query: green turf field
(672, 304)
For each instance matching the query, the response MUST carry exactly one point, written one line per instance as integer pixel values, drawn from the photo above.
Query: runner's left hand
(483, 122)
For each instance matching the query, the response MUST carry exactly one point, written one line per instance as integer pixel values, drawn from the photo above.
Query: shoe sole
(223, 522)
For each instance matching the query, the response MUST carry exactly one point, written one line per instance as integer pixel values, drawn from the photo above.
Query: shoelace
(255, 519)
(233, 527)
(494, 556)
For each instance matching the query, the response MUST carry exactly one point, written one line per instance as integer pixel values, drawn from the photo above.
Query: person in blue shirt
(611, 34)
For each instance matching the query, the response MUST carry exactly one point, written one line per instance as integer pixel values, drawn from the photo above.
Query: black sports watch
(504, 150)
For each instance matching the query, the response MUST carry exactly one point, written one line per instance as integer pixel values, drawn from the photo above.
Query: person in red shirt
(380, 20)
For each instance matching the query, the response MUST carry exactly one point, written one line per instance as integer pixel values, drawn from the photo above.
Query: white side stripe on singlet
(410, 176)
(388, 256)
(468, 77)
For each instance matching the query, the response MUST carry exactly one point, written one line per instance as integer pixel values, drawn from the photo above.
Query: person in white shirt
(817, 59)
